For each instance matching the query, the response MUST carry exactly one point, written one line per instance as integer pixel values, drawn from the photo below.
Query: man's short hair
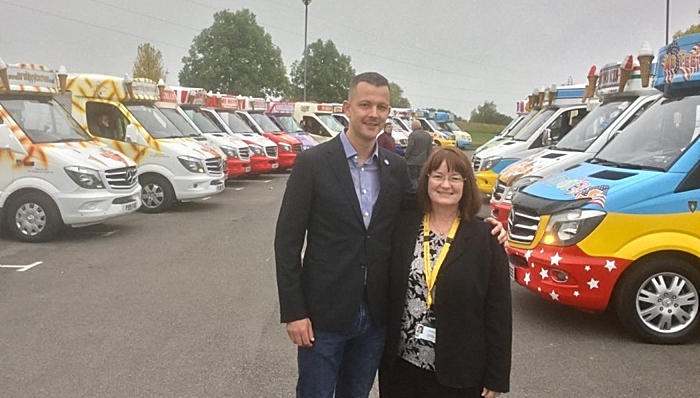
(372, 78)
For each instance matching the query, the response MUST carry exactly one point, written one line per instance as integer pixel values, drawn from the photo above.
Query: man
(385, 140)
(343, 195)
(420, 144)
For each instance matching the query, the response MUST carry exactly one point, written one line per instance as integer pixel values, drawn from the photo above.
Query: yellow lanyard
(431, 274)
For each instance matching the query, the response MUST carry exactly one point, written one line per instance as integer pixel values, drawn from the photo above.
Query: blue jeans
(342, 362)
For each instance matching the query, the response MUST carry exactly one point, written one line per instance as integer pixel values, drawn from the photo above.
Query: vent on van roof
(552, 155)
(612, 175)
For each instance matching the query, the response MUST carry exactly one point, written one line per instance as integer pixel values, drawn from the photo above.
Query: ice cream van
(52, 173)
(253, 114)
(621, 231)
(550, 124)
(403, 117)
(121, 112)
(237, 152)
(339, 114)
(522, 112)
(317, 120)
(428, 123)
(617, 110)
(263, 157)
(446, 121)
(282, 114)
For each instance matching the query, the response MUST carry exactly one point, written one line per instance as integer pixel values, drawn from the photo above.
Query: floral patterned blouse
(417, 351)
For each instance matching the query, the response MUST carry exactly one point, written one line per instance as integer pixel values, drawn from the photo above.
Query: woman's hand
(497, 230)
(490, 394)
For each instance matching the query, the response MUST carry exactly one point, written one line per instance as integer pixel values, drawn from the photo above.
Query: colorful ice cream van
(282, 114)
(52, 173)
(440, 137)
(253, 114)
(317, 120)
(547, 127)
(446, 121)
(622, 230)
(263, 157)
(122, 113)
(237, 152)
(617, 110)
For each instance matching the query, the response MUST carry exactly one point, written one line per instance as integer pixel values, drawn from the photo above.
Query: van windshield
(43, 120)
(521, 124)
(657, 138)
(452, 126)
(153, 120)
(265, 123)
(290, 125)
(585, 133)
(180, 122)
(235, 123)
(531, 128)
(331, 123)
(202, 122)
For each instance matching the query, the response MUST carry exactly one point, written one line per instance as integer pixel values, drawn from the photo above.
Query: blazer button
(362, 265)
(367, 236)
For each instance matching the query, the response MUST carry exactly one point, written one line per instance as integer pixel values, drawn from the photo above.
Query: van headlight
(192, 164)
(489, 163)
(229, 151)
(85, 177)
(285, 147)
(572, 226)
(518, 185)
(257, 149)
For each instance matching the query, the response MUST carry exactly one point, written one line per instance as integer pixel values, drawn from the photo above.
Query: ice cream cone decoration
(625, 72)
(3, 75)
(552, 93)
(161, 88)
(129, 85)
(646, 55)
(592, 82)
(62, 77)
(540, 97)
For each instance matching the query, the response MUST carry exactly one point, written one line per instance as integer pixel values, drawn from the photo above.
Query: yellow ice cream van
(52, 173)
(122, 113)
(621, 230)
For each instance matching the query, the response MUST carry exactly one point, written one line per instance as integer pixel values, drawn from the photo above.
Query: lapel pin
(386, 162)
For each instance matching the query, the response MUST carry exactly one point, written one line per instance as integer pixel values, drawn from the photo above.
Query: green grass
(480, 132)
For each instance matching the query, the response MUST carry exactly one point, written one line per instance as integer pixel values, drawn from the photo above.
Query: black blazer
(472, 305)
(320, 204)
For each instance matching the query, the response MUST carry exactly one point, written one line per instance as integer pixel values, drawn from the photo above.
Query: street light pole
(306, 48)
(667, 7)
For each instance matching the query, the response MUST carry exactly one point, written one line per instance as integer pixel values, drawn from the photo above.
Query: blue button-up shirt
(365, 178)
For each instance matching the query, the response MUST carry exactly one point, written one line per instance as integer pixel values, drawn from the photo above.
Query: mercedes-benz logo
(131, 175)
(511, 219)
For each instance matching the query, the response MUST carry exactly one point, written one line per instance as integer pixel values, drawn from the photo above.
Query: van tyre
(658, 300)
(33, 217)
(157, 194)
(437, 143)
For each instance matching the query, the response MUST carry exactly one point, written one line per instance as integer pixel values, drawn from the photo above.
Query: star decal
(593, 284)
(541, 251)
(587, 268)
(526, 279)
(554, 260)
(532, 265)
(528, 254)
(543, 273)
(554, 295)
(610, 265)
(539, 289)
(576, 294)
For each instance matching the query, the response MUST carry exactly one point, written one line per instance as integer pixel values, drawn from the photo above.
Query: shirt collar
(350, 151)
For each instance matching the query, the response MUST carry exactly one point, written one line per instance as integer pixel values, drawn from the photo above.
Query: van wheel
(658, 300)
(33, 217)
(437, 143)
(156, 194)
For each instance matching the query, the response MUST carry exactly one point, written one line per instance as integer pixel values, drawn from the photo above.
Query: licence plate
(247, 169)
(220, 187)
(130, 206)
(511, 271)
(275, 165)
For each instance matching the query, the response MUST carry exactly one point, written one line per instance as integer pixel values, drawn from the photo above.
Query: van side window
(312, 126)
(106, 121)
(691, 181)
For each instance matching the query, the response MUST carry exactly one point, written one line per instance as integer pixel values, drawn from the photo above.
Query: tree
(487, 113)
(149, 63)
(397, 98)
(328, 74)
(692, 29)
(235, 56)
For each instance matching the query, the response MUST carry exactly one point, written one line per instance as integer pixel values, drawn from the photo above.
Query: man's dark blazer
(320, 204)
(472, 305)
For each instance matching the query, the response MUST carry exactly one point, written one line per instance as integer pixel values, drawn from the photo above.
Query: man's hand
(497, 230)
(301, 332)
(486, 393)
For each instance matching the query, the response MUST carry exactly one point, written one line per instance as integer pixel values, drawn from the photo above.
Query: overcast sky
(452, 54)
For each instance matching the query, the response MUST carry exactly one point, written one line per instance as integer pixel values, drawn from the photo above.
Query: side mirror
(134, 136)
(9, 142)
(547, 137)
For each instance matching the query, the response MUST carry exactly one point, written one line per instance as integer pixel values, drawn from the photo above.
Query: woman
(456, 340)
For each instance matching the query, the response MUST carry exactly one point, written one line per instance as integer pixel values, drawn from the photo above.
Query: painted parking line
(22, 268)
